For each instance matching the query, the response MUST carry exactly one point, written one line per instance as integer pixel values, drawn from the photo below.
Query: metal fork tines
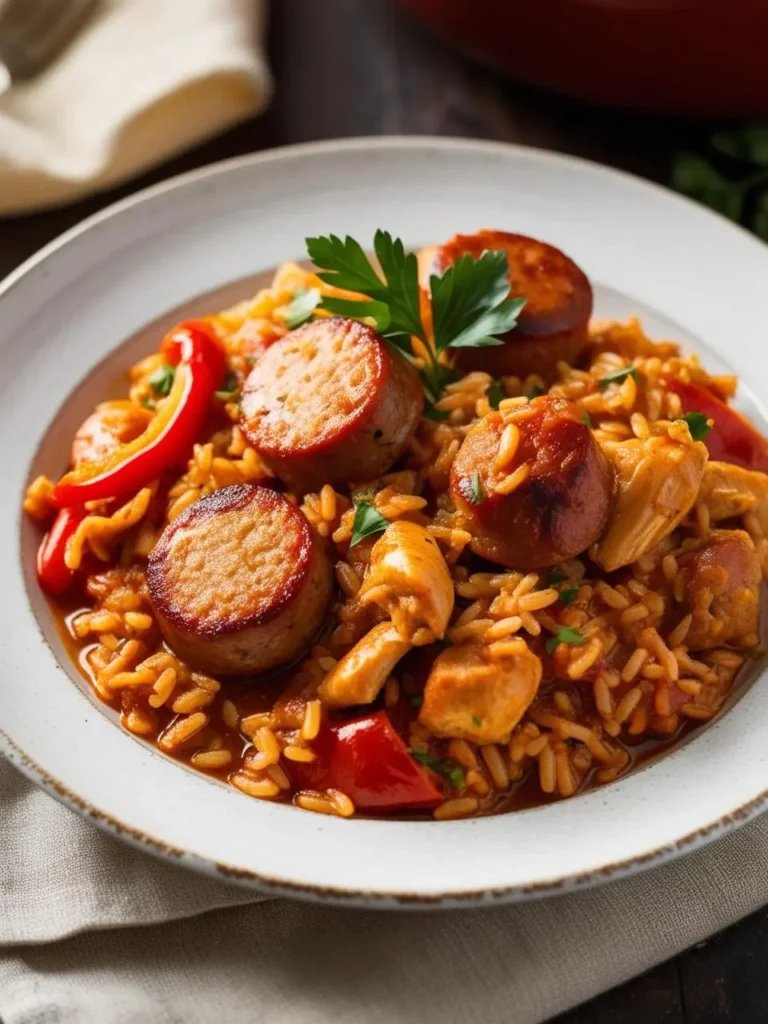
(34, 32)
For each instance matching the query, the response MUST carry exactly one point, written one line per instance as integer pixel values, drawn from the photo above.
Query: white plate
(688, 273)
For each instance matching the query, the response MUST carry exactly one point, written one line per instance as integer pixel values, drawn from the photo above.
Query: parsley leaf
(367, 522)
(149, 403)
(345, 265)
(565, 635)
(533, 392)
(618, 375)
(568, 595)
(470, 303)
(298, 311)
(401, 273)
(697, 425)
(695, 176)
(473, 491)
(378, 312)
(477, 721)
(228, 392)
(162, 379)
(451, 772)
(495, 393)
(587, 420)
(749, 143)
(555, 576)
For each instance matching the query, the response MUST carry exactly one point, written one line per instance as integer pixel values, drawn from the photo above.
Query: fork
(34, 32)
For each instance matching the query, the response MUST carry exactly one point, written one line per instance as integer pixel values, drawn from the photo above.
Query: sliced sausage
(239, 582)
(330, 403)
(109, 426)
(553, 324)
(472, 695)
(722, 591)
(544, 505)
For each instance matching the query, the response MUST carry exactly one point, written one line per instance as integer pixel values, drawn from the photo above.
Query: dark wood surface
(361, 67)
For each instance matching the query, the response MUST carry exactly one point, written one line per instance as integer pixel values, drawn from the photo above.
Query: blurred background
(673, 90)
(135, 91)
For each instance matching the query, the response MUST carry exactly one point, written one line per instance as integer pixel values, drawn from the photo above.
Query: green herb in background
(494, 394)
(730, 175)
(367, 522)
(230, 389)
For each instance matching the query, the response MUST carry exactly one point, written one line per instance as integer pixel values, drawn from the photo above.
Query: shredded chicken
(473, 695)
(730, 492)
(657, 482)
(410, 581)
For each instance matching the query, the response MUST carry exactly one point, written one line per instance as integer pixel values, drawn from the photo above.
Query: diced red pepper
(169, 438)
(53, 573)
(366, 759)
(732, 438)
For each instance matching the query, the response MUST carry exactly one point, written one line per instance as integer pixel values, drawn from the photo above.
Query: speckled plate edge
(739, 262)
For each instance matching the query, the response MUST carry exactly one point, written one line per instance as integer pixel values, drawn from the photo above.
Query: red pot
(692, 57)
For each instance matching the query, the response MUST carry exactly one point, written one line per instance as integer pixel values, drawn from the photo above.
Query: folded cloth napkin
(71, 951)
(144, 80)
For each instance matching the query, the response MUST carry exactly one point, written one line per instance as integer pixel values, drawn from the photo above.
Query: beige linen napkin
(145, 80)
(71, 901)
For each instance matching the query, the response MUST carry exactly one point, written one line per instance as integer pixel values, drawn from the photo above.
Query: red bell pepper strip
(53, 574)
(169, 438)
(366, 759)
(732, 438)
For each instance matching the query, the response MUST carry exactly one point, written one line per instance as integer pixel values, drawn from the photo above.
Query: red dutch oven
(687, 57)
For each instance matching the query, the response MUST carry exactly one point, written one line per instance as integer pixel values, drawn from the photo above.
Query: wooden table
(360, 67)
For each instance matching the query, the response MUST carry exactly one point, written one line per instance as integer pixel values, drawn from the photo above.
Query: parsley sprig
(698, 425)
(451, 772)
(366, 523)
(470, 303)
(564, 635)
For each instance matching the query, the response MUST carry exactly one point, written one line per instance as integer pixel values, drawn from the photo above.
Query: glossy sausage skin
(553, 324)
(330, 403)
(239, 583)
(562, 506)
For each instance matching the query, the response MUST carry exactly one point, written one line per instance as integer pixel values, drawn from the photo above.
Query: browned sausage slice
(239, 582)
(553, 323)
(722, 591)
(329, 403)
(546, 503)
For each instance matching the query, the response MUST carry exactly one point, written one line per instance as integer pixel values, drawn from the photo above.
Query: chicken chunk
(722, 590)
(410, 581)
(730, 492)
(472, 695)
(657, 482)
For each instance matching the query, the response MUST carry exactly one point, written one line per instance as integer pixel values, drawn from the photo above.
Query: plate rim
(389, 898)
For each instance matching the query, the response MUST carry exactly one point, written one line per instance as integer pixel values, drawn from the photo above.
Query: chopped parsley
(568, 595)
(430, 412)
(495, 393)
(565, 635)
(451, 772)
(473, 491)
(301, 308)
(230, 389)
(618, 376)
(555, 576)
(417, 701)
(586, 419)
(366, 523)
(470, 303)
(698, 425)
(477, 721)
(149, 403)
(162, 379)
(534, 391)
